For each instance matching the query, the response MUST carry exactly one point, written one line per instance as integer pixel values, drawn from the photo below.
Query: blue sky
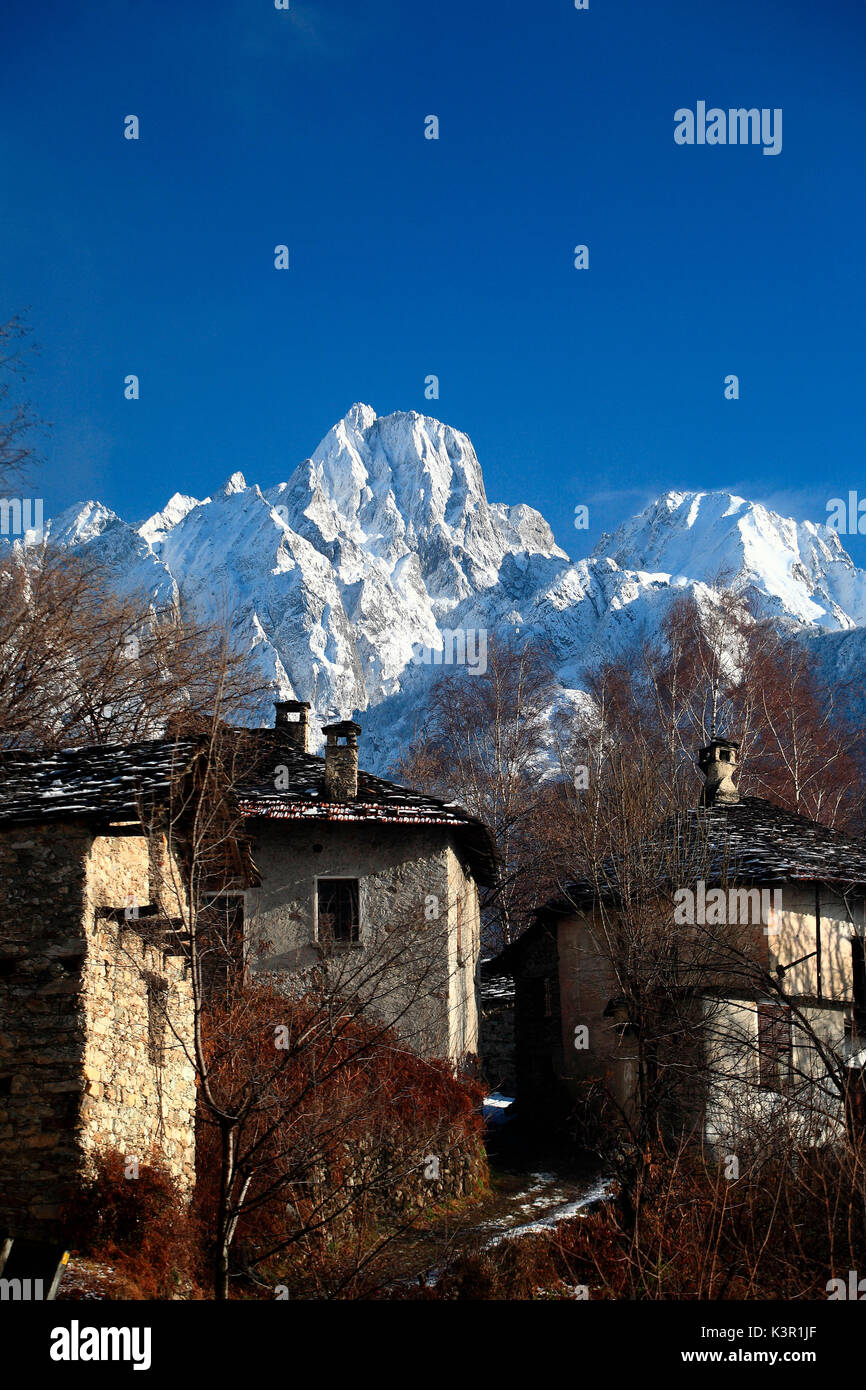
(454, 257)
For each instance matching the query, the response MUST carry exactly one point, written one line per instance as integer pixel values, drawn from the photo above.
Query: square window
(775, 1051)
(337, 915)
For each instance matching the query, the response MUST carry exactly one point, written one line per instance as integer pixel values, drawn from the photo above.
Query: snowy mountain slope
(797, 570)
(115, 544)
(384, 539)
(154, 530)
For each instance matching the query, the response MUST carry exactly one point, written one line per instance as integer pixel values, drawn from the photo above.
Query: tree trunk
(223, 1225)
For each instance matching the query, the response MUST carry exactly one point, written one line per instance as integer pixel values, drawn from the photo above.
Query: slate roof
(387, 803)
(109, 782)
(749, 841)
(766, 842)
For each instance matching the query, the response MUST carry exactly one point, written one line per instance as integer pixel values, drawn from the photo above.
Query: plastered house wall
(412, 887)
(732, 1089)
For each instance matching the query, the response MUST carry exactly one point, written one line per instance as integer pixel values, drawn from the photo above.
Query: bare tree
(630, 839)
(484, 744)
(18, 421)
(82, 664)
(305, 1120)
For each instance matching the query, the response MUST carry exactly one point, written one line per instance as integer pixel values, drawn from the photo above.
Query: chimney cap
(292, 706)
(342, 728)
(718, 762)
(706, 754)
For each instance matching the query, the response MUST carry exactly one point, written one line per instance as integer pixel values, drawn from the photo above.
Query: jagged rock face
(384, 538)
(794, 569)
(125, 553)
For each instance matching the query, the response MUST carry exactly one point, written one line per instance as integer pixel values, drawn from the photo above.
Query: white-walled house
(376, 882)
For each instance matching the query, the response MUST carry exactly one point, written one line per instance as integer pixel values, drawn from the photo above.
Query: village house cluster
(332, 870)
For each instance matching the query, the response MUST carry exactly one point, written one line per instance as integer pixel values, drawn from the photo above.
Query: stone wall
(498, 1053)
(464, 950)
(80, 1060)
(398, 1183)
(140, 1092)
(587, 984)
(43, 884)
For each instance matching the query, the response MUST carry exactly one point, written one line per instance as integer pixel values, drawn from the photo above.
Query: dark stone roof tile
(112, 781)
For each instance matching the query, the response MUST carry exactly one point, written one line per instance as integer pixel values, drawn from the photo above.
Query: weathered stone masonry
(86, 1059)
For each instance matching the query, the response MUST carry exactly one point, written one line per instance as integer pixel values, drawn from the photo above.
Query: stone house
(497, 997)
(90, 962)
(330, 869)
(760, 1020)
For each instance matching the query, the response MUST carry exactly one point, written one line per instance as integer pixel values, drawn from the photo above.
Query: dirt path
(520, 1204)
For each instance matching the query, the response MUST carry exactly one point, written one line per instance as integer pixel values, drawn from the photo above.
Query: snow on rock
(384, 537)
(795, 569)
(156, 527)
(116, 545)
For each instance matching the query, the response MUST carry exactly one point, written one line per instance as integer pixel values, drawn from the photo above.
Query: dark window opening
(775, 1048)
(157, 1000)
(548, 998)
(338, 916)
(858, 983)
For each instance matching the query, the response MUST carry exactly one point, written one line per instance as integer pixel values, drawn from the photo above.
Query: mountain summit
(793, 569)
(384, 539)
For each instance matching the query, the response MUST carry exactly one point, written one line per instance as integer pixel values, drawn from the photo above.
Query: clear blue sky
(453, 257)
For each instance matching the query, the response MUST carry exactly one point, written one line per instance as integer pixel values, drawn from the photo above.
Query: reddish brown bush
(682, 1231)
(139, 1226)
(333, 1130)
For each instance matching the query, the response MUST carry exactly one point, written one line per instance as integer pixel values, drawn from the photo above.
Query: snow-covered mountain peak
(236, 483)
(794, 569)
(119, 548)
(81, 523)
(380, 490)
(359, 416)
(383, 541)
(156, 527)
(405, 463)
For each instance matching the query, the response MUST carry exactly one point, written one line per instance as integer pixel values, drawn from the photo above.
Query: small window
(858, 984)
(774, 1045)
(337, 911)
(548, 997)
(157, 1002)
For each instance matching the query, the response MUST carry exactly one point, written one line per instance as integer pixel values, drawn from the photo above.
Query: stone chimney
(341, 760)
(718, 762)
(293, 721)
